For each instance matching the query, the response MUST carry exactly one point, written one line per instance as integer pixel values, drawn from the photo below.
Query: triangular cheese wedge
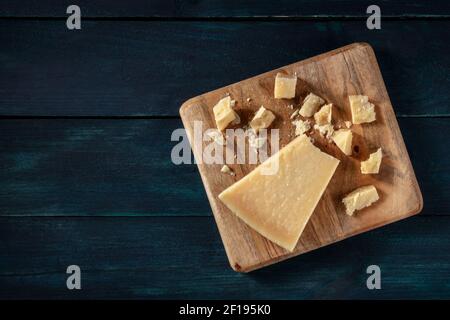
(343, 139)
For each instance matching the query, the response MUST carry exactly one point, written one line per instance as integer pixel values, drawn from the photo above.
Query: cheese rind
(323, 116)
(224, 113)
(360, 198)
(278, 206)
(362, 110)
(372, 165)
(310, 105)
(343, 139)
(262, 119)
(284, 86)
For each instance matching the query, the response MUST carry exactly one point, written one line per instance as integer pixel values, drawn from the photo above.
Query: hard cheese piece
(372, 165)
(285, 86)
(262, 119)
(279, 205)
(362, 110)
(224, 113)
(360, 198)
(310, 105)
(323, 116)
(343, 139)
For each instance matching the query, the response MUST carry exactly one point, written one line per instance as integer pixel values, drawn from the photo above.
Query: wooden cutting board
(334, 76)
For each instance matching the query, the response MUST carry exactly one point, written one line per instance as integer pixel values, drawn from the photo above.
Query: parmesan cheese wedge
(362, 110)
(323, 116)
(310, 105)
(262, 119)
(372, 165)
(224, 113)
(279, 205)
(343, 139)
(285, 86)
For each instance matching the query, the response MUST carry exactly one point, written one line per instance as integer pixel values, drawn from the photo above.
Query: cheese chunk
(372, 165)
(323, 116)
(343, 139)
(362, 110)
(279, 205)
(360, 198)
(227, 169)
(262, 119)
(224, 113)
(310, 105)
(285, 86)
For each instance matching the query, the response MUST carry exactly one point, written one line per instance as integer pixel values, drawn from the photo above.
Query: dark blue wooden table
(86, 119)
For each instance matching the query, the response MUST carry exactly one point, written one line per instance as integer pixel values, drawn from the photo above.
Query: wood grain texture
(334, 76)
(223, 8)
(139, 68)
(122, 167)
(141, 258)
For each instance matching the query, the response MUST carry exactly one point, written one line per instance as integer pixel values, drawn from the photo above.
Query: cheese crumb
(237, 120)
(323, 116)
(360, 198)
(262, 119)
(372, 165)
(226, 169)
(256, 142)
(301, 126)
(285, 86)
(326, 130)
(224, 113)
(362, 110)
(343, 139)
(216, 136)
(348, 124)
(294, 114)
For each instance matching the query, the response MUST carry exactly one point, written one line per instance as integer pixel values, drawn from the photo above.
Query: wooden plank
(285, 8)
(123, 167)
(124, 68)
(334, 75)
(184, 258)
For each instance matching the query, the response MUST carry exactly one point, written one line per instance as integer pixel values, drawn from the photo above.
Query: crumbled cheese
(256, 142)
(326, 130)
(348, 124)
(301, 126)
(216, 136)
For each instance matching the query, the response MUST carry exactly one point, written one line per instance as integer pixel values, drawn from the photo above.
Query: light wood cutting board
(334, 76)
